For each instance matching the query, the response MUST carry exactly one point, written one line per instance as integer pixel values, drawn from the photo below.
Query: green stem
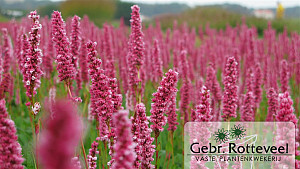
(84, 155)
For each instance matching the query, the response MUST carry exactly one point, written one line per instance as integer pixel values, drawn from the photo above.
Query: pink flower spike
(230, 97)
(161, 101)
(203, 110)
(65, 67)
(92, 156)
(125, 156)
(60, 136)
(247, 112)
(32, 72)
(284, 76)
(272, 103)
(136, 54)
(257, 85)
(10, 149)
(7, 51)
(286, 109)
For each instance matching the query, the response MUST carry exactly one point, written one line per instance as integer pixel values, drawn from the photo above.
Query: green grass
(218, 18)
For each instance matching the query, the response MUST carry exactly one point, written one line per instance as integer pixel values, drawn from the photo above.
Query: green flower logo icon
(237, 132)
(221, 135)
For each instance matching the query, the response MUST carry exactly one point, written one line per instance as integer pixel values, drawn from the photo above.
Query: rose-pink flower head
(230, 98)
(250, 80)
(10, 149)
(6, 51)
(286, 109)
(284, 76)
(101, 99)
(65, 67)
(272, 103)
(157, 63)
(124, 156)
(83, 62)
(109, 62)
(92, 156)
(32, 72)
(257, 84)
(144, 139)
(136, 37)
(172, 115)
(161, 101)
(75, 40)
(60, 136)
(247, 112)
(212, 83)
(203, 110)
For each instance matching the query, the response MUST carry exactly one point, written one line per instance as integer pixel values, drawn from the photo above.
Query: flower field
(77, 96)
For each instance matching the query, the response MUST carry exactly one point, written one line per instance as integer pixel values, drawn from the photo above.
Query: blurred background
(216, 13)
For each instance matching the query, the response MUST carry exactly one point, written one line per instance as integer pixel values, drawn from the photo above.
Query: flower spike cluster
(125, 156)
(161, 101)
(230, 89)
(10, 149)
(65, 67)
(284, 76)
(60, 136)
(272, 103)
(75, 43)
(247, 112)
(142, 136)
(286, 109)
(101, 95)
(92, 156)
(136, 54)
(33, 58)
(203, 110)
(6, 51)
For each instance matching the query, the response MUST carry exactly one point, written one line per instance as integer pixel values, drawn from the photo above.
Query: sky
(247, 3)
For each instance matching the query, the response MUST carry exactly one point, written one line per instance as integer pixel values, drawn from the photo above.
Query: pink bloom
(76, 163)
(157, 63)
(136, 37)
(83, 62)
(203, 110)
(249, 80)
(212, 83)
(136, 52)
(5, 84)
(102, 105)
(142, 137)
(109, 62)
(65, 67)
(230, 98)
(18, 49)
(92, 156)
(125, 156)
(60, 137)
(247, 112)
(10, 149)
(75, 40)
(284, 76)
(257, 85)
(172, 115)
(75, 43)
(115, 97)
(161, 101)
(286, 109)
(185, 88)
(272, 103)
(32, 71)
(48, 58)
(145, 140)
(6, 51)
